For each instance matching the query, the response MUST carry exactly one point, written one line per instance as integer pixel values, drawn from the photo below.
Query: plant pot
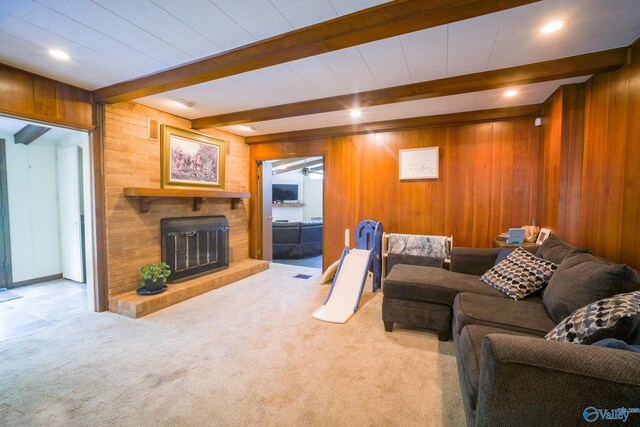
(152, 286)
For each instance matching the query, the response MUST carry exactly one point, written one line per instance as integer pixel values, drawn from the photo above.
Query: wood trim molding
(36, 98)
(100, 276)
(580, 65)
(507, 113)
(634, 52)
(375, 23)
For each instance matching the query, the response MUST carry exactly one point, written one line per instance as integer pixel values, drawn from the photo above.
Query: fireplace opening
(194, 246)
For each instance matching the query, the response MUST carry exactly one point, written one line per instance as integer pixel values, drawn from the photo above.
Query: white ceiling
(57, 135)
(114, 40)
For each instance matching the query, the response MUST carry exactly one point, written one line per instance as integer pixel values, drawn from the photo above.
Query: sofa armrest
(531, 381)
(476, 261)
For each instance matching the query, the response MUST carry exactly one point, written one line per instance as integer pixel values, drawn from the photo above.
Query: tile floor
(43, 304)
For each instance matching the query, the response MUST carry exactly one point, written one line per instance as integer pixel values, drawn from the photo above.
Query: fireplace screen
(194, 246)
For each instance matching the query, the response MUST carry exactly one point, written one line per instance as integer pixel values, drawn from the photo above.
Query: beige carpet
(246, 354)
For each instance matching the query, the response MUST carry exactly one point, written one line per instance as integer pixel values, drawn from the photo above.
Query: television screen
(285, 192)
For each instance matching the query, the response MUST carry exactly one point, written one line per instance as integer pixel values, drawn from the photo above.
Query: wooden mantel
(147, 195)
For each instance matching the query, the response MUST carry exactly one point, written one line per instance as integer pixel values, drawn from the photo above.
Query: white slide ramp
(347, 288)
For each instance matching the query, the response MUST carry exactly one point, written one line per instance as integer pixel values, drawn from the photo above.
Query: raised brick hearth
(133, 305)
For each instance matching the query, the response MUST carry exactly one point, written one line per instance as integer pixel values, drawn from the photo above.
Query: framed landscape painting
(191, 160)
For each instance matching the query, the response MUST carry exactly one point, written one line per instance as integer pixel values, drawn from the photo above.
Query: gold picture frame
(191, 160)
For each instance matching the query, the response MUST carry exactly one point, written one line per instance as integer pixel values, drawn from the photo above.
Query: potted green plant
(154, 277)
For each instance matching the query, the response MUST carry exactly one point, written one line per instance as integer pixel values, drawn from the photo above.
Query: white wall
(312, 197)
(81, 139)
(32, 179)
(290, 214)
(309, 191)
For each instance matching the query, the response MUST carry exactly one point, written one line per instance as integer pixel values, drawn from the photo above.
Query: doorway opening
(46, 246)
(296, 193)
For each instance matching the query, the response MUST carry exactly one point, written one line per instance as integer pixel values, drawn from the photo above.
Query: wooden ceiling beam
(574, 66)
(375, 23)
(29, 133)
(507, 113)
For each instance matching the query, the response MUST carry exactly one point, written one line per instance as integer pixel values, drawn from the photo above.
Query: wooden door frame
(4, 213)
(99, 250)
(256, 217)
(96, 155)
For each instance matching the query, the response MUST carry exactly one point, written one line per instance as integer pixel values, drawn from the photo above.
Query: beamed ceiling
(256, 67)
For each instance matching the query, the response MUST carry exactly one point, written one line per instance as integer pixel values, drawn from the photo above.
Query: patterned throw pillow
(616, 317)
(520, 274)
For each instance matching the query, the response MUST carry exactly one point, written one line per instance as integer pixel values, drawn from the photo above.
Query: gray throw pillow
(583, 278)
(555, 250)
(616, 317)
(520, 274)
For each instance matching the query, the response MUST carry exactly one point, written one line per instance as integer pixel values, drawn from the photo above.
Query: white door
(267, 214)
(70, 202)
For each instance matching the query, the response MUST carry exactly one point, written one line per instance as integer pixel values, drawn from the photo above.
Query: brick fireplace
(194, 246)
(133, 238)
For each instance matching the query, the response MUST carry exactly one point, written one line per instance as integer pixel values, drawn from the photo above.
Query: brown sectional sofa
(509, 374)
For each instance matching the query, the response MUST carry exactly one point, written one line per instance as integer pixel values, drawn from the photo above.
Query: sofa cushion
(616, 317)
(286, 232)
(310, 232)
(555, 250)
(583, 278)
(468, 352)
(528, 316)
(430, 284)
(502, 255)
(520, 274)
(425, 261)
(417, 313)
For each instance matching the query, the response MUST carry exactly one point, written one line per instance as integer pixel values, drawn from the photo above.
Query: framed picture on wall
(418, 163)
(544, 234)
(191, 160)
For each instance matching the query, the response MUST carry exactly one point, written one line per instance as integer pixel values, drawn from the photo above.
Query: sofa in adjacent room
(294, 240)
(509, 373)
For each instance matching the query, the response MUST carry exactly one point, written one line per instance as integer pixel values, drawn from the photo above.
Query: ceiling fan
(305, 171)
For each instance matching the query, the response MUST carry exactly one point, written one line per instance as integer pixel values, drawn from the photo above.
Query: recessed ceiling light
(186, 103)
(248, 128)
(58, 54)
(355, 113)
(511, 92)
(552, 26)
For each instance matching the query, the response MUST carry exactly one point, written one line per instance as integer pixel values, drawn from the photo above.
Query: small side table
(502, 244)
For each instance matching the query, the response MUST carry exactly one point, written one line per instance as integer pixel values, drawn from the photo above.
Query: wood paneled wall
(489, 174)
(34, 97)
(550, 161)
(561, 161)
(610, 205)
